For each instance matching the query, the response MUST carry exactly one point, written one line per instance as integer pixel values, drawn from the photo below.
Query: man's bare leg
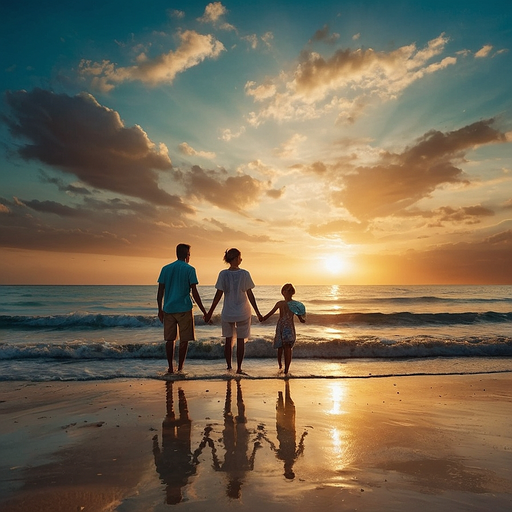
(182, 351)
(169, 351)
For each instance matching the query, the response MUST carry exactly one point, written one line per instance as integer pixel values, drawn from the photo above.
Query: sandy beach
(439, 443)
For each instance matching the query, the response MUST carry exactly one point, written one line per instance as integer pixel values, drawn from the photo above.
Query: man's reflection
(174, 461)
(288, 451)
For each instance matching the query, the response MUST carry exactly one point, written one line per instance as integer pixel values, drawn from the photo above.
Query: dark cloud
(53, 207)
(400, 180)
(234, 193)
(275, 194)
(121, 206)
(234, 236)
(62, 186)
(79, 136)
(487, 261)
(322, 34)
(467, 214)
(116, 227)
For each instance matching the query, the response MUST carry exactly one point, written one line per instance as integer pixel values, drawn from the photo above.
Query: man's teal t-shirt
(177, 277)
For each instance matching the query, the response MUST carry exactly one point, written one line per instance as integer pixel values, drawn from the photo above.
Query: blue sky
(331, 142)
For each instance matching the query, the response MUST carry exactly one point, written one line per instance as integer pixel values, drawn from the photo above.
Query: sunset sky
(332, 142)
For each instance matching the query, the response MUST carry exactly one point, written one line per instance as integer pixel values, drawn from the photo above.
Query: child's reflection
(236, 439)
(174, 461)
(288, 451)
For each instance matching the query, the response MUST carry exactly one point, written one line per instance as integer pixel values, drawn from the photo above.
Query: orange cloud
(188, 150)
(194, 49)
(400, 180)
(318, 84)
(233, 193)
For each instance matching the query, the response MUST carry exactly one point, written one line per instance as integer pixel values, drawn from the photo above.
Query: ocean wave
(77, 321)
(424, 299)
(402, 319)
(209, 349)
(410, 319)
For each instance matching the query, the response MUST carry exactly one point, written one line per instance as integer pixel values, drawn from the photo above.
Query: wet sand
(440, 443)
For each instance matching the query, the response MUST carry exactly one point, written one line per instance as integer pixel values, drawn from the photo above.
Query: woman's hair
(231, 254)
(288, 286)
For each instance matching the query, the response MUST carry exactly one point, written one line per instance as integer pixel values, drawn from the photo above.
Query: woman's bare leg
(228, 349)
(240, 351)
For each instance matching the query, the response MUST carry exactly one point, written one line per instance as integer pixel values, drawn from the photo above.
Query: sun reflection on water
(338, 395)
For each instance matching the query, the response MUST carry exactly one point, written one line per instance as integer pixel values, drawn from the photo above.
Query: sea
(87, 333)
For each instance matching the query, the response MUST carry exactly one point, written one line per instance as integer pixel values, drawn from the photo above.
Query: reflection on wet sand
(236, 438)
(234, 453)
(288, 451)
(174, 460)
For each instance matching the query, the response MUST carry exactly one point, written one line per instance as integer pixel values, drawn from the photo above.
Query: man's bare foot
(229, 368)
(170, 370)
(240, 372)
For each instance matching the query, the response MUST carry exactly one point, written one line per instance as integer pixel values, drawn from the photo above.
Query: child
(285, 328)
(236, 284)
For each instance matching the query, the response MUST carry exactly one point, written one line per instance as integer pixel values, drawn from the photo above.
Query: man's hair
(182, 251)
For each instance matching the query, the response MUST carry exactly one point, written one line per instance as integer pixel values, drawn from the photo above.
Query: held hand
(161, 316)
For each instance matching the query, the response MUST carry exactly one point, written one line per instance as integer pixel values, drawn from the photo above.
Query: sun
(336, 264)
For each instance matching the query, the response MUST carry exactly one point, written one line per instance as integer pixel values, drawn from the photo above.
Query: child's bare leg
(279, 357)
(240, 351)
(287, 358)
(227, 351)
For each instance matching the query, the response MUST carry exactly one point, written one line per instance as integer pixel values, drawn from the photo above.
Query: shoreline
(386, 443)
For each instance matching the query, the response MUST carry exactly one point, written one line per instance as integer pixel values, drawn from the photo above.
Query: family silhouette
(178, 281)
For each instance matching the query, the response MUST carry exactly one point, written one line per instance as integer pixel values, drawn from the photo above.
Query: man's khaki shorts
(182, 321)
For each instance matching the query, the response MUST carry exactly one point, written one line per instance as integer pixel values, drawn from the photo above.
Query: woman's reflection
(174, 461)
(236, 439)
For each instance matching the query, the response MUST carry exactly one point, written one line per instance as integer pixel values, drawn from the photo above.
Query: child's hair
(288, 286)
(231, 255)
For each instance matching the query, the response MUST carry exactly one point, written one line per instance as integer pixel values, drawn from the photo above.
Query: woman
(236, 284)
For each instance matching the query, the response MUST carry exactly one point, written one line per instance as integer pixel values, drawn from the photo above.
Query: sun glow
(336, 264)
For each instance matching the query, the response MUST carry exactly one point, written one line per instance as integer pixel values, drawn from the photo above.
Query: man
(174, 285)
